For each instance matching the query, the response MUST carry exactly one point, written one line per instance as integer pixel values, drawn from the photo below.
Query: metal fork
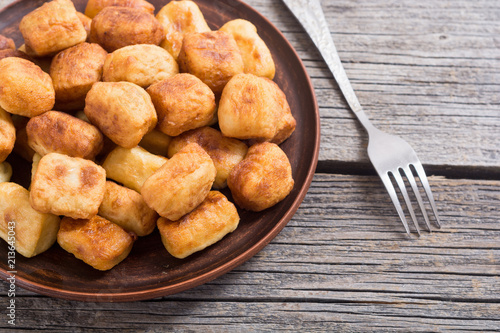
(391, 156)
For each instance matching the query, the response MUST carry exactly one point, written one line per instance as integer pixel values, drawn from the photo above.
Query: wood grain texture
(428, 71)
(342, 263)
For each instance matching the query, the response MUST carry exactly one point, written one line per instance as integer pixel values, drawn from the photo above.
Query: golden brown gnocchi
(25, 89)
(95, 6)
(182, 102)
(256, 55)
(116, 27)
(181, 184)
(7, 135)
(123, 111)
(21, 146)
(225, 152)
(177, 19)
(58, 132)
(262, 179)
(51, 28)
(127, 208)
(96, 241)
(142, 64)
(208, 223)
(34, 232)
(255, 108)
(74, 71)
(14, 53)
(69, 186)
(211, 56)
(133, 109)
(156, 142)
(131, 167)
(86, 21)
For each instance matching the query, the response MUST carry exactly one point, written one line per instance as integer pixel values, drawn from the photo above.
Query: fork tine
(402, 189)
(411, 179)
(425, 183)
(394, 197)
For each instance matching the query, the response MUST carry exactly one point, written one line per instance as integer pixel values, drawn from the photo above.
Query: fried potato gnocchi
(7, 43)
(116, 27)
(156, 142)
(177, 19)
(255, 53)
(213, 57)
(131, 167)
(213, 219)
(34, 232)
(143, 91)
(253, 107)
(225, 152)
(96, 241)
(51, 28)
(181, 184)
(262, 179)
(95, 6)
(182, 102)
(74, 71)
(86, 21)
(25, 89)
(7, 135)
(69, 186)
(58, 132)
(5, 172)
(142, 64)
(123, 111)
(127, 208)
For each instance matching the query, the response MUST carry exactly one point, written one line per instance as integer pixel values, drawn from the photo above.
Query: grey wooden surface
(426, 70)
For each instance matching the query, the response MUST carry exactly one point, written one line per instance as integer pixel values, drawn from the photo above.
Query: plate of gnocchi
(146, 147)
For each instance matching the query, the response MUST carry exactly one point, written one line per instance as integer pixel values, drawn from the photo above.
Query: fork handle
(311, 16)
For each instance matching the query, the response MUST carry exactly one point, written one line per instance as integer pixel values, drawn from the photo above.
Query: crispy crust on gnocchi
(181, 184)
(127, 208)
(213, 219)
(35, 232)
(96, 241)
(255, 108)
(58, 132)
(7, 135)
(262, 179)
(256, 55)
(182, 102)
(225, 152)
(177, 19)
(52, 27)
(69, 186)
(25, 89)
(123, 111)
(95, 6)
(213, 57)
(116, 27)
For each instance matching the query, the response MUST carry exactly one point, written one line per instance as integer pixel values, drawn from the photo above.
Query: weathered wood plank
(342, 263)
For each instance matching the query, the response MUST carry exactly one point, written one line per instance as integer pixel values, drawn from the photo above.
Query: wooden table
(426, 70)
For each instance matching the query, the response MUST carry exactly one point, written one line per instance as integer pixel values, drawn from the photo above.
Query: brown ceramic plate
(149, 271)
